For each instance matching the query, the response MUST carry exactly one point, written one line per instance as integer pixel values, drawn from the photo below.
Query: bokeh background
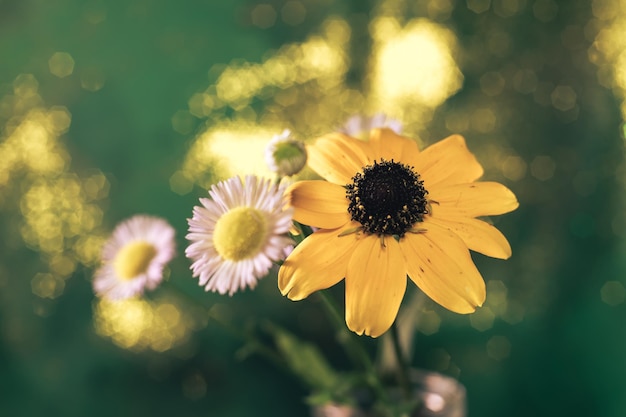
(112, 108)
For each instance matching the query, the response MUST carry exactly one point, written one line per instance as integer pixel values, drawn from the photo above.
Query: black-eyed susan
(134, 257)
(238, 233)
(388, 211)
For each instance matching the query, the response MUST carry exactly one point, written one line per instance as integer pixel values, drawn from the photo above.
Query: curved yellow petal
(319, 203)
(478, 235)
(319, 262)
(439, 263)
(388, 145)
(375, 284)
(338, 157)
(447, 162)
(472, 200)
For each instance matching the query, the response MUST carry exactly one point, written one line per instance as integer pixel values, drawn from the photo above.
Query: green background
(567, 355)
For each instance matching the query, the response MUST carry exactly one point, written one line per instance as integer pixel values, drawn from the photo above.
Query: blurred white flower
(134, 257)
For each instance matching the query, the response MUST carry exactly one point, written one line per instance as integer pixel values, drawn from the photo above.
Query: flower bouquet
(382, 215)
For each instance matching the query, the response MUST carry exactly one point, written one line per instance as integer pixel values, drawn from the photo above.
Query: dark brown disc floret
(387, 198)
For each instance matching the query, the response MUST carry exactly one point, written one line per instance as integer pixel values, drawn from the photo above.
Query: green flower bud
(284, 155)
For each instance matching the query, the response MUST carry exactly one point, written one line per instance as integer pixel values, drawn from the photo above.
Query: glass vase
(437, 395)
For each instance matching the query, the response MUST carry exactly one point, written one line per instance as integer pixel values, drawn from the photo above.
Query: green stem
(403, 366)
(355, 351)
(353, 347)
(258, 347)
(253, 343)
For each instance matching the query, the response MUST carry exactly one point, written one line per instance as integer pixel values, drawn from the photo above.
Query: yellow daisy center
(133, 259)
(387, 198)
(240, 233)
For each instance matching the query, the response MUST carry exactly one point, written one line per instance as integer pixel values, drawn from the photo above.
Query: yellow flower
(386, 211)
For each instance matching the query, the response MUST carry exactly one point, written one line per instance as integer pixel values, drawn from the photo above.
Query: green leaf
(304, 359)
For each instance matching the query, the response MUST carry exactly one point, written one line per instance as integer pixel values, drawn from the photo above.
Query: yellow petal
(319, 204)
(472, 200)
(388, 145)
(478, 235)
(338, 157)
(439, 263)
(447, 162)
(319, 262)
(375, 285)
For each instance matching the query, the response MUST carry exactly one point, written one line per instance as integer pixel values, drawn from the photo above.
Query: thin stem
(355, 351)
(254, 343)
(260, 348)
(403, 366)
(353, 348)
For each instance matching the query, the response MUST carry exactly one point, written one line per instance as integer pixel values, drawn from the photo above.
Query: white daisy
(359, 126)
(134, 257)
(284, 155)
(238, 233)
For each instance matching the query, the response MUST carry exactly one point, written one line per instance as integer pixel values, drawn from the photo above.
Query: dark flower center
(387, 198)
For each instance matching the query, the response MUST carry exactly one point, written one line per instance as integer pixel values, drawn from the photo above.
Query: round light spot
(293, 13)
(47, 285)
(483, 120)
(183, 122)
(61, 64)
(263, 16)
(499, 347)
(613, 293)
(514, 168)
(492, 83)
(429, 322)
(478, 6)
(545, 10)
(563, 97)
(542, 167)
(482, 319)
(92, 79)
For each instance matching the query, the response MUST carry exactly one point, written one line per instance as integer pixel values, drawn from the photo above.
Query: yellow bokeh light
(414, 63)
(497, 297)
(58, 209)
(303, 79)
(514, 313)
(293, 12)
(545, 10)
(483, 120)
(236, 149)
(507, 8)
(25, 85)
(429, 322)
(499, 347)
(563, 97)
(514, 168)
(183, 122)
(47, 285)
(542, 167)
(478, 6)
(61, 64)
(482, 319)
(140, 324)
(492, 83)
(263, 16)
(607, 51)
(92, 79)
(613, 293)
(303, 87)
